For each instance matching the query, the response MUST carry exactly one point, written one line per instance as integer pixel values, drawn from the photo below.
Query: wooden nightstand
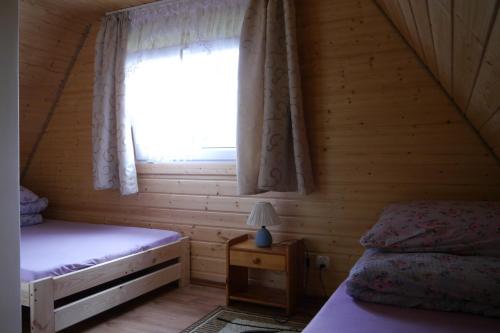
(286, 257)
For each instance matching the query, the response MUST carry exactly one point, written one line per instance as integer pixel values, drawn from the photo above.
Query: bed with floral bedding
(442, 255)
(419, 257)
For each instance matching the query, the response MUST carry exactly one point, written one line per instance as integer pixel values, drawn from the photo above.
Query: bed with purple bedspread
(342, 314)
(55, 247)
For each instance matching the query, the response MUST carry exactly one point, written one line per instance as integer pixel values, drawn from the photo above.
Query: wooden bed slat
(72, 283)
(77, 311)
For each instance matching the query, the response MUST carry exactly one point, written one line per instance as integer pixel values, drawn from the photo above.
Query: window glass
(182, 103)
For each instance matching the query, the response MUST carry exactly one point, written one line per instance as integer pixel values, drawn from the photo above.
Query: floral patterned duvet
(428, 280)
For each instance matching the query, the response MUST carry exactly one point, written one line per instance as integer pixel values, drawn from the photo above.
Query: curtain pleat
(272, 147)
(113, 149)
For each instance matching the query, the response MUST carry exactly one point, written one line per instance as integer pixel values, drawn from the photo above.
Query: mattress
(57, 247)
(343, 314)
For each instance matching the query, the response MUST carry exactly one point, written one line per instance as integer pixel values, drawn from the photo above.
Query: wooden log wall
(459, 40)
(381, 130)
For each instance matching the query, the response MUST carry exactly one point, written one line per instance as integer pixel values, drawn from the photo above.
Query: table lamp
(262, 215)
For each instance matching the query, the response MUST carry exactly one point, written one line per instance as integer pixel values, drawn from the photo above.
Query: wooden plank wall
(50, 34)
(459, 41)
(381, 130)
(45, 52)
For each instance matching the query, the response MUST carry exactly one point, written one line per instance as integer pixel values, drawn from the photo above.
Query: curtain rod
(139, 6)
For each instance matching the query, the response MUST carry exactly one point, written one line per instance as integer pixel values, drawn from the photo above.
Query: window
(182, 103)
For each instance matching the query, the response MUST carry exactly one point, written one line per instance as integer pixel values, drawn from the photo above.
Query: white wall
(10, 309)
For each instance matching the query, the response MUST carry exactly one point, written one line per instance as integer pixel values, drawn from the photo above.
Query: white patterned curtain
(113, 150)
(158, 38)
(181, 73)
(272, 147)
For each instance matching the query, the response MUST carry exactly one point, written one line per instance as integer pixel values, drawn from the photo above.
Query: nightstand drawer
(257, 260)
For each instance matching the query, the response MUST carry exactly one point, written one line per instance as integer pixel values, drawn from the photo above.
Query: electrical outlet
(323, 261)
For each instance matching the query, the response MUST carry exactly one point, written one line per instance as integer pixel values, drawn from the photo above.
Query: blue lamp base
(263, 238)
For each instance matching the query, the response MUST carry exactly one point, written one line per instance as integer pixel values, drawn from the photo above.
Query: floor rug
(226, 320)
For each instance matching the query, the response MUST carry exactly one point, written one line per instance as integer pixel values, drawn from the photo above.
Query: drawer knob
(256, 261)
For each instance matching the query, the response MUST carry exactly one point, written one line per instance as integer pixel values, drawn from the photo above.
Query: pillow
(26, 195)
(34, 207)
(31, 219)
(461, 227)
(438, 281)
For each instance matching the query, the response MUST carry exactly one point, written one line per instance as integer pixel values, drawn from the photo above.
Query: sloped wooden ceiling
(459, 41)
(51, 33)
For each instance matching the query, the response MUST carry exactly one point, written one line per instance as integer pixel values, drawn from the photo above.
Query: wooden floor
(169, 310)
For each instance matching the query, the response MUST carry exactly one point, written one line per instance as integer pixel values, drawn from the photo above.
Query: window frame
(187, 168)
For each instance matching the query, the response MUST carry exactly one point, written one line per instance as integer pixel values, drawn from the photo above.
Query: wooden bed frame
(40, 295)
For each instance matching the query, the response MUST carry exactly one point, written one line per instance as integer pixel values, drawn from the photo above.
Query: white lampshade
(263, 214)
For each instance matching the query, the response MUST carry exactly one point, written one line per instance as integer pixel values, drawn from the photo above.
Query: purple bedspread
(342, 314)
(57, 247)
